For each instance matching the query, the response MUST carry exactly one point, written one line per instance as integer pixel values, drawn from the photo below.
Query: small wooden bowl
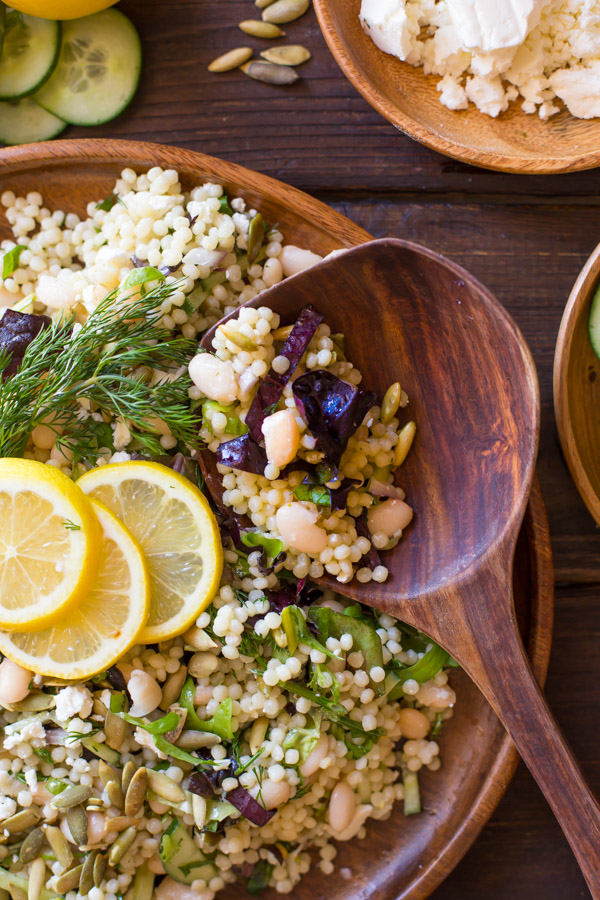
(513, 142)
(403, 858)
(577, 388)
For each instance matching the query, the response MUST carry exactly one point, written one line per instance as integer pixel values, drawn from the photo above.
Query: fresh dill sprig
(97, 362)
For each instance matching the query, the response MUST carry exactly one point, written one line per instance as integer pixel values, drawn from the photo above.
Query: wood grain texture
(512, 142)
(418, 851)
(318, 134)
(576, 393)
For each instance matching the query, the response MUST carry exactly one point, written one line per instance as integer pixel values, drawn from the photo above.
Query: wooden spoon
(411, 316)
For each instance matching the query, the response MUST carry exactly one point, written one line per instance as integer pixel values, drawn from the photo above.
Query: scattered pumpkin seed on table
(269, 72)
(286, 55)
(230, 60)
(261, 29)
(283, 11)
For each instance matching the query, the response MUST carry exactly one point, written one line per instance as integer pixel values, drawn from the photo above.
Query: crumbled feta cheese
(73, 701)
(32, 733)
(489, 53)
(8, 807)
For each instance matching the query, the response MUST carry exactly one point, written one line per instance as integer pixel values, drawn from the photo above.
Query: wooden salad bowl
(401, 858)
(513, 142)
(577, 388)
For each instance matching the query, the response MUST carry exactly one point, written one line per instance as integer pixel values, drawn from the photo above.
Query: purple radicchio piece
(271, 387)
(244, 454)
(200, 784)
(249, 807)
(371, 558)
(333, 409)
(17, 331)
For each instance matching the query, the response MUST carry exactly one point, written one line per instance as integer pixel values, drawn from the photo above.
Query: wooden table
(525, 237)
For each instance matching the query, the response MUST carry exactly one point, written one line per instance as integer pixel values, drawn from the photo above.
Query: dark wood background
(525, 237)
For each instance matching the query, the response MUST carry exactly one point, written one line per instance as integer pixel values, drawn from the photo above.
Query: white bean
(389, 517)
(274, 793)
(172, 890)
(272, 272)
(297, 526)
(295, 259)
(96, 827)
(14, 682)
(214, 377)
(314, 758)
(145, 693)
(282, 437)
(342, 805)
(201, 665)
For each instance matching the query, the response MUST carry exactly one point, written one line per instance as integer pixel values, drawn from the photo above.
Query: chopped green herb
(260, 878)
(107, 204)
(143, 275)
(271, 546)
(71, 526)
(10, 261)
(225, 208)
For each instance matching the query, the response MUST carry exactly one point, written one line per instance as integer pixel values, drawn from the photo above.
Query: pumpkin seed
(59, 845)
(174, 733)
(129, 771)
(257, 733)
(16, 893)
(22, 820)
(122, 844)
(199, 811)
(99, 708)
(72, 796)
(236, 337)
(37, 877)
(256, 236)
(231, 60)
(68, 881)
(283, 333)
(120, 823)
(115, 794)
(86, 881)
(78, 825)
(106, 772)
(283, 11)
(165, 787)
(136, 792)
(31, 846)
(199, 639)
(116, 730)
(261, 29)
(287, 55)
(172, 687)
(391, 402)
(194, 740)
(99, 869)
(269, 73)
(35, 703)
(405, 438)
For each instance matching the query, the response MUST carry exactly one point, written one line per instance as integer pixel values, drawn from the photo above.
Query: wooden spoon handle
(500, 667)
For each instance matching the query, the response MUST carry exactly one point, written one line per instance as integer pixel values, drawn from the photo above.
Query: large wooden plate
(513, 142)
(577, 388)
(401, 858)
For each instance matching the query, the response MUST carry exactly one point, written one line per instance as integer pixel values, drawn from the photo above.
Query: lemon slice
(49, 544)
(106, 623)
(177, 531)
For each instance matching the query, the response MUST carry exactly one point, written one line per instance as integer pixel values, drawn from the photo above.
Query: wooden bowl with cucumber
(82, 71)
(577, 383)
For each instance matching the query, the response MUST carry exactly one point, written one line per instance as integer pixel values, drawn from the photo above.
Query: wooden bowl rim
(578, 303)
(535, 523)
(533, 165)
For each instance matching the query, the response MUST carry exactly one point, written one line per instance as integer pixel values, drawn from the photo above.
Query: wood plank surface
(525, 238)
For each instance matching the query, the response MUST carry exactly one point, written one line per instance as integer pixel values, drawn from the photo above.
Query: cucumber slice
(29, 54)
(23, 122)
(98, 69)
(181, 858)
(594, 323)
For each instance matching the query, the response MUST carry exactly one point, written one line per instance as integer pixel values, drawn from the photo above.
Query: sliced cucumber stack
(25, 121)
(97, 72)
(29, 54)
(181, 858)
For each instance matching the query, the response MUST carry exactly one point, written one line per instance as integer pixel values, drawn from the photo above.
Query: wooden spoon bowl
(410, 316)
(513, 142)
(577, 388)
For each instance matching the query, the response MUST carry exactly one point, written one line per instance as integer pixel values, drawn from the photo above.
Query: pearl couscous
(286, 717)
